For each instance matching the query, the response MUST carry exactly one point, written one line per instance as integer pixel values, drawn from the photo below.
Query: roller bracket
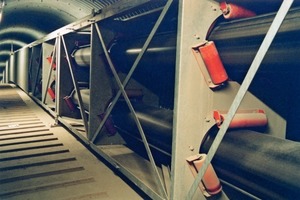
(233, 11)
(210, 64)
(50, 61)
(202, 67)
(210, 183)
(243, 119)
(109, 125)
(70, 103)
(51, 93)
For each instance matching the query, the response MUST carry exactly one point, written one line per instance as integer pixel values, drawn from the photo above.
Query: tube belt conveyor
(262, 165)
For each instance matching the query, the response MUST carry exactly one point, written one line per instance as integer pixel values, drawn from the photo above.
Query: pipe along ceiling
(24, 21)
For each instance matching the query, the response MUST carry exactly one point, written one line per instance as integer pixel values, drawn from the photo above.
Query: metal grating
(141, 11)
(31, 157)
(41, 161)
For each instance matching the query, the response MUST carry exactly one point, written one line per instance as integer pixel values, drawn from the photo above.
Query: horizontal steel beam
(109, 11)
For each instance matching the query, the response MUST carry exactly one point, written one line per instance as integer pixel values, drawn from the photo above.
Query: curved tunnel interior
(23, 22)
(270, 162)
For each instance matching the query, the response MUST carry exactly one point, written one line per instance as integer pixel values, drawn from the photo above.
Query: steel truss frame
(60, 47)
(190, 119)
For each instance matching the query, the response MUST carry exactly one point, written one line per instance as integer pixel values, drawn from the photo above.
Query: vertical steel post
(193, 98)
(57, 47)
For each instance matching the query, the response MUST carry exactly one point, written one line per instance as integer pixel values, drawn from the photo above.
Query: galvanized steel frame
(283, 10)
(183, 143)
(193, 99)
(50, 71)
(122, 91)
(75, 85)
(60, 45)
(140, 128)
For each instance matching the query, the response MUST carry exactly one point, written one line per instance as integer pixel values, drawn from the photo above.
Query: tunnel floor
(40, 160)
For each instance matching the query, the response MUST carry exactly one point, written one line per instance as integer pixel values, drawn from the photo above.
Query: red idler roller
(109, 125)
(53, 63)
(243, 119)
(213, 63)
(51, 90)
(51, 93)
(69, 102)
(210, 183)
(233, 11)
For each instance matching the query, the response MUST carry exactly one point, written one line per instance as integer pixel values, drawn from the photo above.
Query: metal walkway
(41, 161)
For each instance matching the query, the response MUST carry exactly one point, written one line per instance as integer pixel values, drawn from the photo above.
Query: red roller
(250, 118)
(70, 103)
(210, 181)
(233, 11)
(109, 125)
(213, 63)
(53, 64)
(51, 93)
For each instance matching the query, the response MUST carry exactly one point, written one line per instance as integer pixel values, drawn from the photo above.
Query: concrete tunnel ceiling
(24, 21)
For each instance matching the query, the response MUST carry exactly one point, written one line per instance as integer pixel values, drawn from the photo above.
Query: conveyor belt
(262, 165)
(40, 161)
(156, 123)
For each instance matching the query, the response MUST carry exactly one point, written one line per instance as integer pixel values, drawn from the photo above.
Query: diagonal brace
(50, 72)
(76, 88)
(139, 126)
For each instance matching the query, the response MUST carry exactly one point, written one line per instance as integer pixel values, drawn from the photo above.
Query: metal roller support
(237, 42)
(262, 165)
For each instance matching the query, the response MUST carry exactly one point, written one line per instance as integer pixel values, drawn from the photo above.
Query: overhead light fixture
(2, 4)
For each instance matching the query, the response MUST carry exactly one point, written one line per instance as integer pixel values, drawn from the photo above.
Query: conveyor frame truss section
(75, 85)
(194, 102)
(193, 99)
(282, 12)
(56, 44)
(122, 86)
(50, 71)
(39, 66)
(65, 76)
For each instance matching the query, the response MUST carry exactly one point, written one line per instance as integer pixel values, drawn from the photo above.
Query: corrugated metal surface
(39, 161)
(25, 21)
